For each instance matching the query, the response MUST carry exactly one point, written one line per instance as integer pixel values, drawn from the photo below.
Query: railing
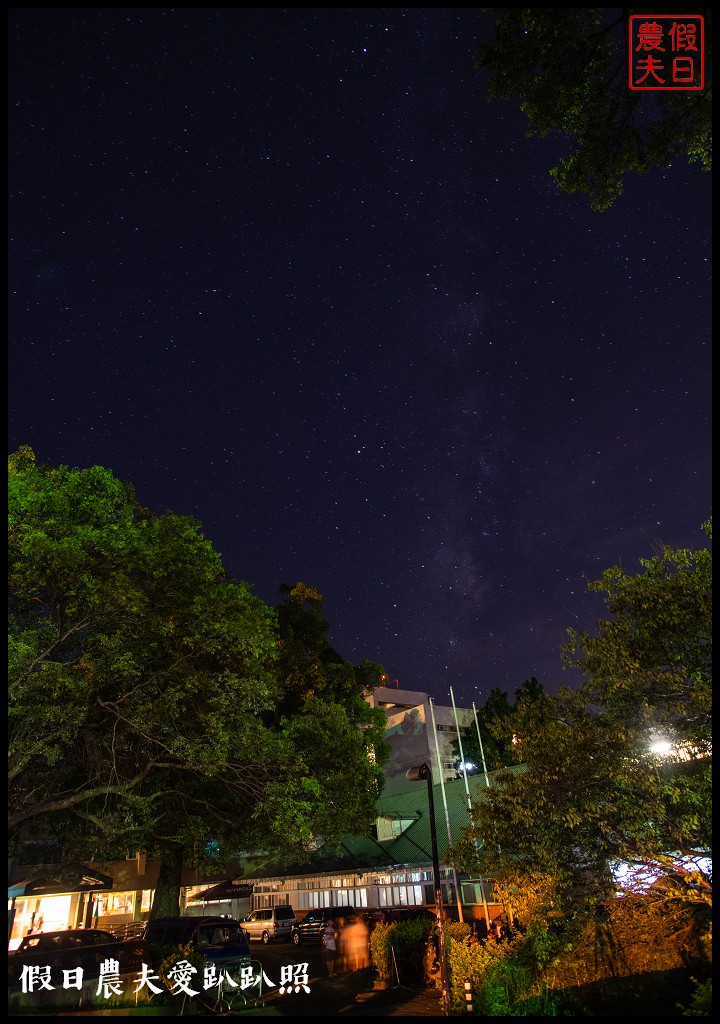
(129, 930)
(240, 986)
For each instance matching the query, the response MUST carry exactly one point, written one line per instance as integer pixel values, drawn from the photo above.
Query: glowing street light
(661, 747)
(423, 771)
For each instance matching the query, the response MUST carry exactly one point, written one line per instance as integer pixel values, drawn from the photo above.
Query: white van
(272, 924)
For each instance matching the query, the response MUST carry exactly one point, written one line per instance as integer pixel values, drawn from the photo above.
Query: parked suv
(272, 924)
(219, 939)
(312, 926)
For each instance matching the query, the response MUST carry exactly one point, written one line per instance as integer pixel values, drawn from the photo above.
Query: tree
(568, 66)
(327, 730)
(130, 652)
(492, 720)
(323, 713)
(143, 692)
(653, 660)
(307, 665)
(589, 793)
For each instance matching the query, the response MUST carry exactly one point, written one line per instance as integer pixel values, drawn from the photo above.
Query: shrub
(380, 951)
(409, 942)
(474, 962)
(171, 955)
(700, 1004)
(398, 950)
(458, 930)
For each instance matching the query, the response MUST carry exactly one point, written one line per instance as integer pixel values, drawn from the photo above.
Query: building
(411, 716)
(114, 896)
(392, 867)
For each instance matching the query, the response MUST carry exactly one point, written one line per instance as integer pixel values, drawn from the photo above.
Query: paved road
(284, 960)
(351, 994)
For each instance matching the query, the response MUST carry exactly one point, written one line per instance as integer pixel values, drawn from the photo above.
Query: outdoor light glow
(661, 747)
(640, 877)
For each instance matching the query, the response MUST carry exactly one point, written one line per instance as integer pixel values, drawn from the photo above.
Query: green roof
(413, 847)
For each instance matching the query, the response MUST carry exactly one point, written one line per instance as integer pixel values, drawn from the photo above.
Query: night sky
(287, 271)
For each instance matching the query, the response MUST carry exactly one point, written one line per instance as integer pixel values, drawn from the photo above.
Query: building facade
(419, 731)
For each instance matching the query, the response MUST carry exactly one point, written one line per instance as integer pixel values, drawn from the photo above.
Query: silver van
(272, 924)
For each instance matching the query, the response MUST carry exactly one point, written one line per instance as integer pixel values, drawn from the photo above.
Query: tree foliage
(652, 661)
(493, 747)
(568, 66)
(307, 665)
(148, 706)
(592, 790)
(323, 713)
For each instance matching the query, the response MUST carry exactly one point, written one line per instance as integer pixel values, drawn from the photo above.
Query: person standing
(356, 937)
(330, 941)
(480, 930)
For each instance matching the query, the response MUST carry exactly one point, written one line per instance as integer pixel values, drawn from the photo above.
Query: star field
(287, 271)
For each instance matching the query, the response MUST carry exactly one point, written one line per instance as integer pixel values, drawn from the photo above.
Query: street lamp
(415, 774)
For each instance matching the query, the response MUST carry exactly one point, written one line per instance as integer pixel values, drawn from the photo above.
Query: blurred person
(330, 944)
(356, 937)
(480, 930)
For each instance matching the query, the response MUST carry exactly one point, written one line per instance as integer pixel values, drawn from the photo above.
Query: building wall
(410, 734)
(401, 886)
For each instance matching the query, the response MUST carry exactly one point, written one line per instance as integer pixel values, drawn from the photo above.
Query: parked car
(218, 938)
(312, 926)
(71, 938)
(76, 947)
(271, 924)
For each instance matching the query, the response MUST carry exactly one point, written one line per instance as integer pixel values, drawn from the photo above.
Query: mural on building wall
(410, 744)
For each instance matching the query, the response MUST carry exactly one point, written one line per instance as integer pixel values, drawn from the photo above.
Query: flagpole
(467, 792)
(482, 751)
(447, 816)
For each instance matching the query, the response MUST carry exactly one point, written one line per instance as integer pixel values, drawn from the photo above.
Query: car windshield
(217, 935)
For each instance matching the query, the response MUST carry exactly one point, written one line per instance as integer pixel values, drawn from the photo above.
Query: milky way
(287, 271)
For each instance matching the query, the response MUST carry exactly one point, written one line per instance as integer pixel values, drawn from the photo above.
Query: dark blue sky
(288, 272)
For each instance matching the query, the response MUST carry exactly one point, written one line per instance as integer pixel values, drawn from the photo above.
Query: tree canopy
(616, 771)
(493, 747)
(568, 67)
(148, 704)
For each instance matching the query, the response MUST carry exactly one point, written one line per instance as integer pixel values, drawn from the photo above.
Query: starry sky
(287, 271)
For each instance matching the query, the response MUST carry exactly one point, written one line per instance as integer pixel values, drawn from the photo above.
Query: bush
(169, 956)
(380, 951)
(398, 950)
(700, 1004)
(503, 978)
(634, 959)
(473, 962)
(458, 930)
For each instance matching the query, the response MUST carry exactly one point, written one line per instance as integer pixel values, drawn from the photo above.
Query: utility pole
(424, 771)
